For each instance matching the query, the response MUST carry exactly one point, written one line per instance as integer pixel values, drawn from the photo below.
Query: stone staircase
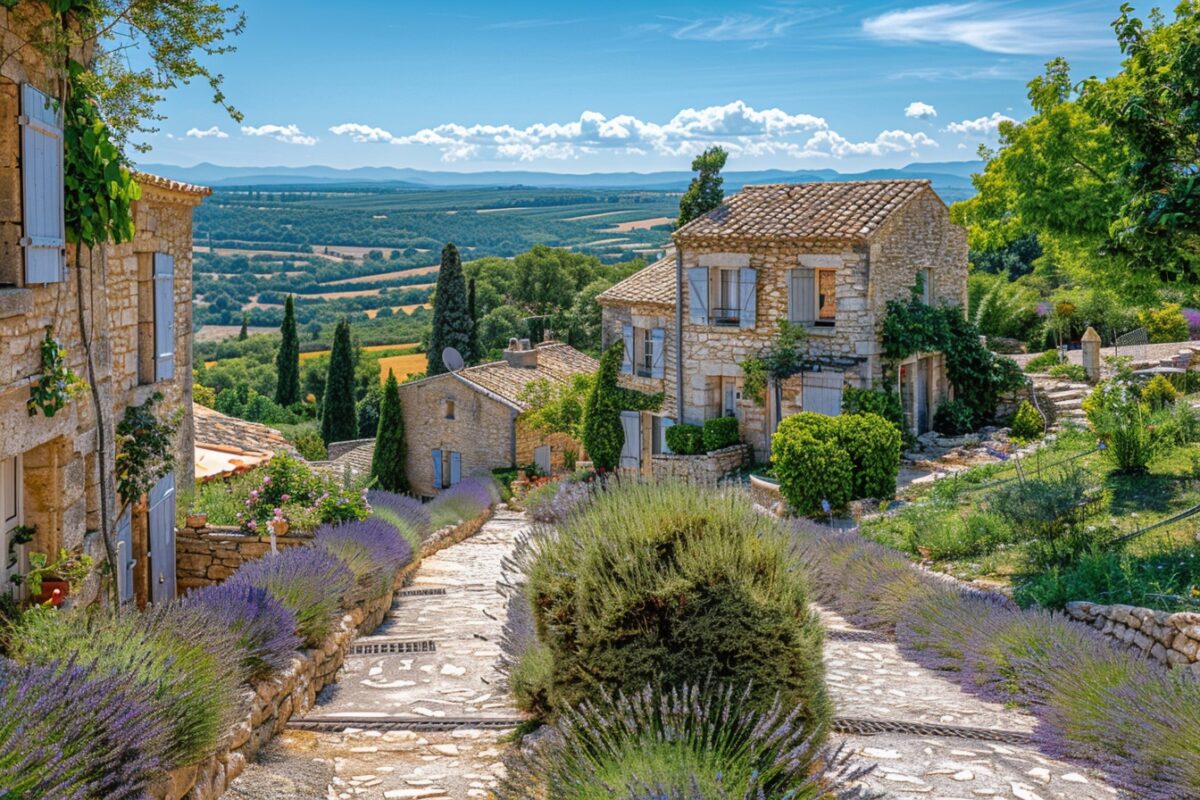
(1066, 397)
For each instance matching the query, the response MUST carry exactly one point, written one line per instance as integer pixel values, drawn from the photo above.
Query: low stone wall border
(1171, 639)
(271, 703)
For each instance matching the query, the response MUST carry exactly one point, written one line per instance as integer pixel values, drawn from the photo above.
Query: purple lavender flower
(309, 581)
(401, 510)
(373, 550)
(265, 630)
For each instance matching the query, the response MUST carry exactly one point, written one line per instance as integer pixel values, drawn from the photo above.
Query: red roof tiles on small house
(158, 181)
(556, 362)
(652, 285)
(227, 445)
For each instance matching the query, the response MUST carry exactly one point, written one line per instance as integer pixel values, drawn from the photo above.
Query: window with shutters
(643, 352)
(812, 296)
(726, 306)
(826, 296)
(42, 209)
(146, 354)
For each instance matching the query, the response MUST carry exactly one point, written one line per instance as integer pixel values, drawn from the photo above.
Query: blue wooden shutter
(656, 348)
(161, 522)
(455, 467)
(666, 423)
(125, 559)
(802, 304)
(627, 358)
(164, 316)
(42, 211)
(437, 469)
(698, 295)
(747, 295)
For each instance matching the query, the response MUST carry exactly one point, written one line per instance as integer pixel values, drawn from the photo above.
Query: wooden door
(161, 524)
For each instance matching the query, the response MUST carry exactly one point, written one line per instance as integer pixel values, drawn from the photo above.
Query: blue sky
(626, 86)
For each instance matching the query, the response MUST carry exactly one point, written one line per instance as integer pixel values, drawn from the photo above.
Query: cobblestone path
(440, 707)
(869, 679)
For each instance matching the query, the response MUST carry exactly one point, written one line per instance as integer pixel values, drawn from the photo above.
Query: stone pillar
(1091, 354)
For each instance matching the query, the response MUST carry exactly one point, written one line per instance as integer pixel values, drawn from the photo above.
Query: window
(447, 468)
(826, 296)
(643, 351)
(448, 408)
(727, 303)
(10, 520)
(731, 395)
(926, 278)
(645, 354)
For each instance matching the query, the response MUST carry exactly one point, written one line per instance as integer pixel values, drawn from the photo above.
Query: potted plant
(51, 583)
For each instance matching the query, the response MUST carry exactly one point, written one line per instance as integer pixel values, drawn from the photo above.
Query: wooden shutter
(656, 352)
(747, 296)
(125, 559)
(164, 316)
(822, 393)
(438, 481)
(161, 522)
(627, 358)
(455, 467)
(802, 301)
(698, 295)
(42, 211)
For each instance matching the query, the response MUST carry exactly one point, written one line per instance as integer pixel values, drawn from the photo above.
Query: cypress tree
(388, 464)
(451, 317)
(473, 355)
(244, 333)
(287, 360)
(603, 436)
(339, 421)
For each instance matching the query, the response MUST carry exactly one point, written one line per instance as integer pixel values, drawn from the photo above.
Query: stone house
(825, 256)
(136, 308)
(466, 423)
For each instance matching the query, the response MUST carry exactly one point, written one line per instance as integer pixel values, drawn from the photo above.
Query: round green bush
(685, 439)
(1159, 393)
(720, 432)
(953, 418)
(811, 470)
(671, 585)
(873, 444)
(1027, 423)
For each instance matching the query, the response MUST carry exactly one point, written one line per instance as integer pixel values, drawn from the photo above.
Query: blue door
(161, 524)
(455, 468)
(125, 559)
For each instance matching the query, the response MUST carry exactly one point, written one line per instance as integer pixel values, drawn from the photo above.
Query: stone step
(1066, 394)
(1066, 404)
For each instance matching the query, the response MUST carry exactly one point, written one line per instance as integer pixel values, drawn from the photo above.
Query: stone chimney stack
(520, 355)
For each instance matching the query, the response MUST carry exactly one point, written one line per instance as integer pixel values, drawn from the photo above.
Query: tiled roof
(357, 458)
(227, 445)
(849, 210)
(654, 285)
(148, 179)
(557, 362)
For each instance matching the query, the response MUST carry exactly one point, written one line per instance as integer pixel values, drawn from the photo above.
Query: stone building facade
(467, 423)
(825, 256)
(136, 312)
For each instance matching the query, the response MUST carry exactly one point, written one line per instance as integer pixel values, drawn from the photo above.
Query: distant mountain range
(952, 179)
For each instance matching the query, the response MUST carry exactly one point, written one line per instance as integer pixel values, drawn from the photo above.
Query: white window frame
(12, 516)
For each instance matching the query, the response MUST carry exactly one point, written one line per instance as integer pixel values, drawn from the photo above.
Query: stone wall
(1172, 639)
(529, 440)
(208, 554)
(708, 468)
(271, 703)
(646, 316)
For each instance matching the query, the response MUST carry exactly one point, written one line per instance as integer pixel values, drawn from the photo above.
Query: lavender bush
(309, 581)
(688, 742)
(524, 661)
(466, 499)
(264, 629)
(373, 549)
(73, 733)
(190, 663)
(553, 503)
(409, 515)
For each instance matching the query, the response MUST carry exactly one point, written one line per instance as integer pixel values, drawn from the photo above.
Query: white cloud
(741, 129)
(735, 28)
(213, 132)
(993, 27)
(980, 126)
(919, 110)
(291, 134)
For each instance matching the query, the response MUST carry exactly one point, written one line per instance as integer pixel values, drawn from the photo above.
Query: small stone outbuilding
(824, 256)
(468, 423)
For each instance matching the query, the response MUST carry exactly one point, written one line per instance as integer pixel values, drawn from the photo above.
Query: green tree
(603, 436)
(389, 463)
(244, 333)
(706, 191)
(472, 353)
(451, 316)
(1153, 108)
(339, 422)
(287, 360)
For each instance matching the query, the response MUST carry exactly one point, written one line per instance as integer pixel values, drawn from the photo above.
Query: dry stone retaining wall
(271, 703)
(208, 554)
(705, 468)
(1173, 639)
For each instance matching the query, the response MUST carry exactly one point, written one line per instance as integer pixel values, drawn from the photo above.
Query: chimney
(520, 355)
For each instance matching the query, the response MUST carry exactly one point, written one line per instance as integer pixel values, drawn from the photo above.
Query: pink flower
(266, 480)
(283, 498)
(252, 524)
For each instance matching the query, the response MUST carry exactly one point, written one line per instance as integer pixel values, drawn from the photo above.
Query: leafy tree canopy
(706, 191)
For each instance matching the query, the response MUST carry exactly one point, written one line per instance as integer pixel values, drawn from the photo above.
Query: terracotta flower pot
(197, 520)
(280, 528)
(53, 591)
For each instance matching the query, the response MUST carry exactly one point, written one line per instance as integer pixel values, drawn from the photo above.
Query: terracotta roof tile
(217, 431)
(557, 362)
(652, 285)
(148, 179)
(851, 210)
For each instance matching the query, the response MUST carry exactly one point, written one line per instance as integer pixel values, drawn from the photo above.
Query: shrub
(464, 500)
(190, 664)
(1176, 425)
(265, 631)
(1120, 419)
(880, 400)
(74, 733)
(674, 584)
(1166, 324)
(1107, 577)
(309, 581)
(1048, 510)
(1043, 361)
(687, 742)
(310, 445)
(409, 515)
(374, 550)
(953, 418)
(720, 432)
(1159, 393)
(1028, 423)
(810, 469)
(554, 502)
(873, 444)
(685, 439)
(1069, 371)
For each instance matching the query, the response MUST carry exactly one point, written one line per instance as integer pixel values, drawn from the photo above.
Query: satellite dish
(452, 359)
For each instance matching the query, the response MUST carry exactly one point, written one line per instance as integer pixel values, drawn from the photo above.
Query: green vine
(145, 449)
(59, 384)
(754, 380)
